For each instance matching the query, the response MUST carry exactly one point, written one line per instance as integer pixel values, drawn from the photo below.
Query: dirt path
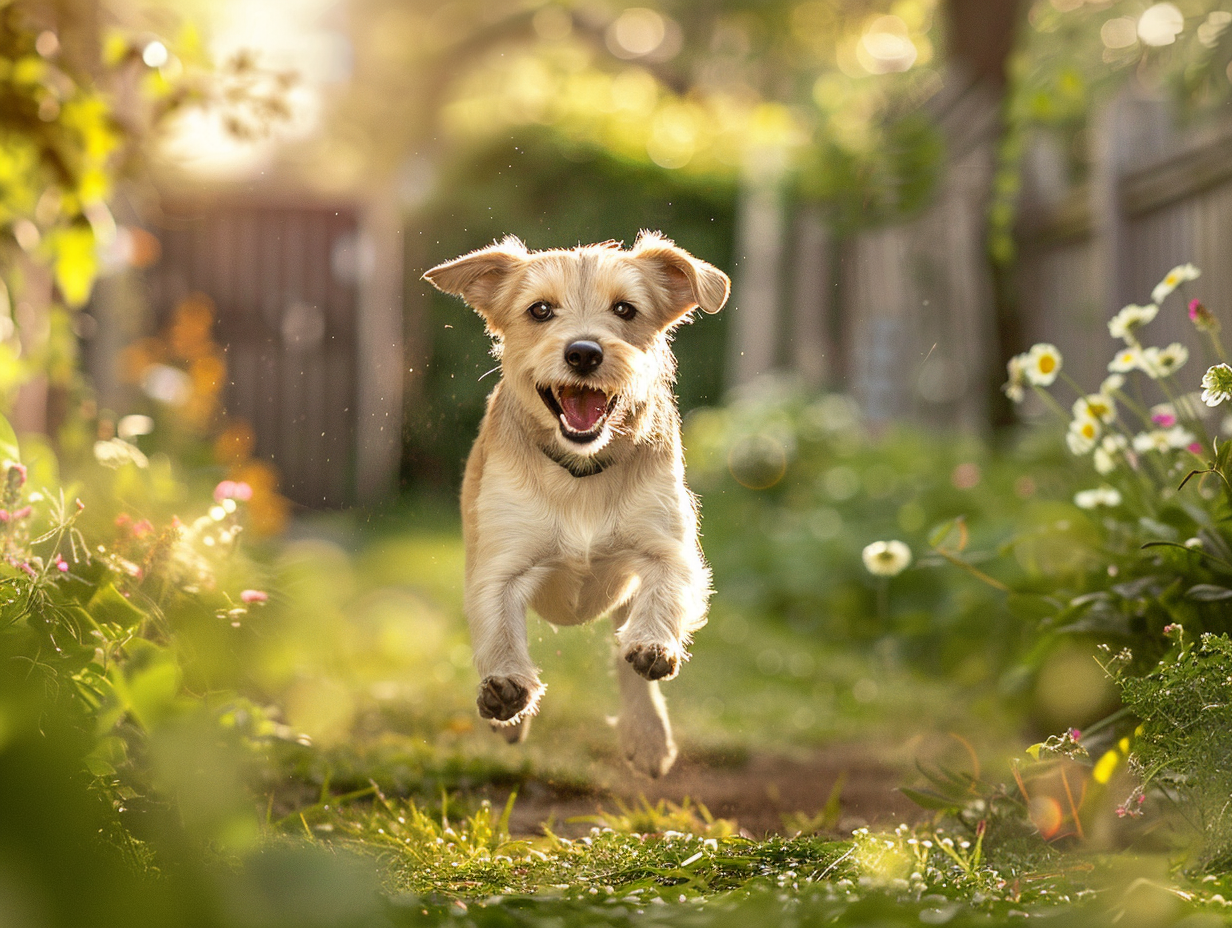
(758, 792)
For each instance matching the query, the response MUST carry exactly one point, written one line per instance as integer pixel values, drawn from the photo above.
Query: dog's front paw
(654, 661)
(647, 744)
(506, 700)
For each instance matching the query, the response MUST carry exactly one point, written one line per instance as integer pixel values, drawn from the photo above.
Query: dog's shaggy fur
(574, 501)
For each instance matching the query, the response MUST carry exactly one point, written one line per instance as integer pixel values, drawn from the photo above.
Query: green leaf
(109, 607)
(8, 441)
(928, 799)
(1208, 593)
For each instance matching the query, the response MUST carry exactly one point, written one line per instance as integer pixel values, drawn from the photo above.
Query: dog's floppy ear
(688, 281)
(477, 277)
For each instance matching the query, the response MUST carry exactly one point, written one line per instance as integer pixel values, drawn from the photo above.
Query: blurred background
(214, 217)
(905, 193)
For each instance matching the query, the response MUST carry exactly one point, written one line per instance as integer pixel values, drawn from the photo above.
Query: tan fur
(620, 542)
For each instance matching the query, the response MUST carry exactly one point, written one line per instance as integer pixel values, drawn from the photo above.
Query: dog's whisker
(485, 373)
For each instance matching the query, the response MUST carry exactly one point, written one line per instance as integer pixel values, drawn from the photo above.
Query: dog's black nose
(584, 356)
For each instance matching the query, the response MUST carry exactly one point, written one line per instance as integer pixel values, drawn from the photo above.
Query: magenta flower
(1195, 447)
(1202, 318)
(254, 596)
(61, 564)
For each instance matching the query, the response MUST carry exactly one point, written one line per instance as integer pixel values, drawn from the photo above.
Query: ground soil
(762, 793)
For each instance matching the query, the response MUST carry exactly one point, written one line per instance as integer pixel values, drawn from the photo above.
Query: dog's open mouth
(581, 411)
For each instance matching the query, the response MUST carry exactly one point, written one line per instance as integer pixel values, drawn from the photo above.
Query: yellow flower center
(1047, 364)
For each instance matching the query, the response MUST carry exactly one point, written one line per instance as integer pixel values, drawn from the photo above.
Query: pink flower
(1194, 448)
(1202, 318)
(23, 513)
(231, 489)
(1173, 629)
(1164, 419)
(143, 528)
(28, 569)
(1075, 734)
(61, 564)
(254, 596)
(5, 515)
(17, 474)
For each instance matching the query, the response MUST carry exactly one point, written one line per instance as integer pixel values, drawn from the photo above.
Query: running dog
(574, 500)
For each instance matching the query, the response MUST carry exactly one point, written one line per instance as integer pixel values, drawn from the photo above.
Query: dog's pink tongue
(582, 408)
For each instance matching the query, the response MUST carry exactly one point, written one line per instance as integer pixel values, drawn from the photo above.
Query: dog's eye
(624, 310)
(540, 311)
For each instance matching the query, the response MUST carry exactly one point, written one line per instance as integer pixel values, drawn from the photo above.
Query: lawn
(855, 749)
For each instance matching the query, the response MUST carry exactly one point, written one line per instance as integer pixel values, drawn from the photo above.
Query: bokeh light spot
(1161, 24)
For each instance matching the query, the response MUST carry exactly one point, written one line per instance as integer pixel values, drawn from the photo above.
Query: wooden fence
(903, 317)
(1157, 198)
(308, 301)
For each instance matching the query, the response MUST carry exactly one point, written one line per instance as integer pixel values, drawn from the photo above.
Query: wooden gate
(285, 284)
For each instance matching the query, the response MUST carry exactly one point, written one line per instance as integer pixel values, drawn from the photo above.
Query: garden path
(761, 792)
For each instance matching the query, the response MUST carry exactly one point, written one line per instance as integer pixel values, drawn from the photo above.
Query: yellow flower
(1042, 364)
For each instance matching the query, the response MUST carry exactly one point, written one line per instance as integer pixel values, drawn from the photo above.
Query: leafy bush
(794, 487)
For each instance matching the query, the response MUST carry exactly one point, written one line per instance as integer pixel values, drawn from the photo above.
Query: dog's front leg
(669, 605)
(496, 602)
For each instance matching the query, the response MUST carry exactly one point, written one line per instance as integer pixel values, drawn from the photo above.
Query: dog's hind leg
(644, 730)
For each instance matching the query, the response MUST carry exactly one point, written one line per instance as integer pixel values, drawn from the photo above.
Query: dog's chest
(566, 520)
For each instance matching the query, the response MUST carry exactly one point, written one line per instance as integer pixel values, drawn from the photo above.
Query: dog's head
(583, 334)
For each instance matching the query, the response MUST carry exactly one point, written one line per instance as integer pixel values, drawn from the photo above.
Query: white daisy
(1132, 317)
(886, 558)
(1101, 496)
(1217, 385)
(1173, 279)
(1098, 406)
(1126, 360)
(1082, 435)
(1043, 363)
(1180, 437)
(1111, 384)
(1157, 440)
(1017, 373)
(1104, 462)
(1163, 362)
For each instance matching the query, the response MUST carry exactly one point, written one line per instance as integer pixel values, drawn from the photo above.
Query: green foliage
(794, 487)
(1182, 746)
